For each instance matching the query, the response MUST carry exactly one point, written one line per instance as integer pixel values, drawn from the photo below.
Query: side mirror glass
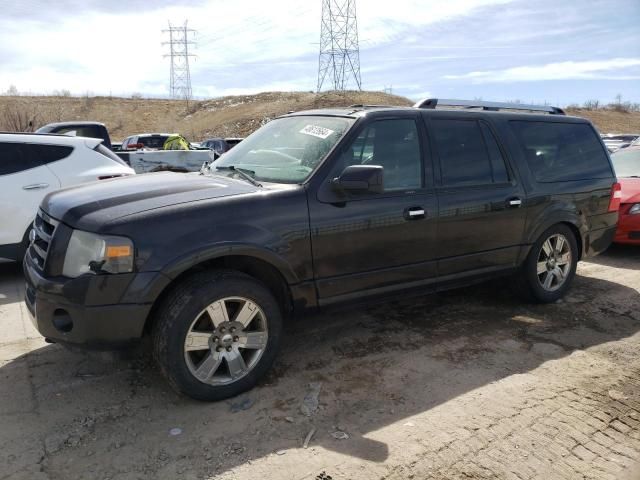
(360, 179)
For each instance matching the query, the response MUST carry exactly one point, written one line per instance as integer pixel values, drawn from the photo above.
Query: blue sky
(533, 50)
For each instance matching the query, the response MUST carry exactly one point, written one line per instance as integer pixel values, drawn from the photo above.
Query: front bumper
(102, 312)
(628, 229)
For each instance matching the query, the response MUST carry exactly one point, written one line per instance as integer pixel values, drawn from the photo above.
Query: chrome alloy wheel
(226, 340)
(554, 262)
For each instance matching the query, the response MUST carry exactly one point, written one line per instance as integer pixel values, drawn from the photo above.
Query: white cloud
(121, 52)
(570, 70)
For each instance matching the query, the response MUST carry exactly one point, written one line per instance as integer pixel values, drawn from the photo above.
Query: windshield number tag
(316, 131)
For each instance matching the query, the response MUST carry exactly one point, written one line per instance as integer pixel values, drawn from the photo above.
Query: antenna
(180, 79)
(339, 62)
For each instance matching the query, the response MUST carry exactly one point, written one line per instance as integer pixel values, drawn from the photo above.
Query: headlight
(635, 209)
(91, 253)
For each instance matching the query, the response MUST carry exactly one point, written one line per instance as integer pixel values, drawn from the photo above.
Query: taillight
(616, 196)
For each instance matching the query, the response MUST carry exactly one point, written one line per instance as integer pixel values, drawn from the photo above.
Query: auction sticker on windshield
(316, 131)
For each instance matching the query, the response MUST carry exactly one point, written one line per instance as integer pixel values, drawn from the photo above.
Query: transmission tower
(339, 63)
(180, 80)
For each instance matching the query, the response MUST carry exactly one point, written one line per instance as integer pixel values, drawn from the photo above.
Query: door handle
(414, 213)
(35, 186)
(514, 203)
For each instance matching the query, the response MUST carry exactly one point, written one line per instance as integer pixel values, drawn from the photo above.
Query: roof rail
(432, 103)
(369, 106)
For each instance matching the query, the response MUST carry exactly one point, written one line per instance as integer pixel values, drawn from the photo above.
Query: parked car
(79, 129)
(220, 145)
(616, 141)
(313, 210)
(146, 153)
(627, 166)
(33, 165)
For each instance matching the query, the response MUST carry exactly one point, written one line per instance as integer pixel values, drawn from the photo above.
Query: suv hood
(119, 197)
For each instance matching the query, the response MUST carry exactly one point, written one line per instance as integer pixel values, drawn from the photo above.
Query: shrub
(19, 117)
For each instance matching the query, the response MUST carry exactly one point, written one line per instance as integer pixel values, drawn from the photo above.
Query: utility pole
(339, 62)
(180, 79)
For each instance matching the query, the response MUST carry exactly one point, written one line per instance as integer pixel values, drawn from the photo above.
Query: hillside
(227, 117)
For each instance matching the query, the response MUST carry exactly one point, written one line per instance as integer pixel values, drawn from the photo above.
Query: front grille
(43, 227)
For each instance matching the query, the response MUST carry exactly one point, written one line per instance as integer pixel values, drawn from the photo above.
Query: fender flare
(226, 249)
(554, 217)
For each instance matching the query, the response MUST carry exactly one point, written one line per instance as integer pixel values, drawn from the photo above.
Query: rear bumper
(628, 230)
(69, 311)
(597, 241)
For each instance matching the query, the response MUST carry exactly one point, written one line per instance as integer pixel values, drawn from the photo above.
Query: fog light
(62, 321)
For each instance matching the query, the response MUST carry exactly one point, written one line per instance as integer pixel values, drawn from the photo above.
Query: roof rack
(358, 106)
(432, 103)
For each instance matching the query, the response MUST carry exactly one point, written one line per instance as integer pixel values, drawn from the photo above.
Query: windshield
(285, 150)
(626, 163)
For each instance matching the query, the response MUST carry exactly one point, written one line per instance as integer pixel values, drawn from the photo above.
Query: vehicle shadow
(79, 416)
(10, 284)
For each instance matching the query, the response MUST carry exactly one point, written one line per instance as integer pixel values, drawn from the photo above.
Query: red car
(627, 165)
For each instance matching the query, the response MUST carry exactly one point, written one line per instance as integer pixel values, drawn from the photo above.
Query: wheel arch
(273, 278)
(573, 220)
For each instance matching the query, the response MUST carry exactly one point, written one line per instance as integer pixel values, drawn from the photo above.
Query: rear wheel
(216, 334)
(550, 266)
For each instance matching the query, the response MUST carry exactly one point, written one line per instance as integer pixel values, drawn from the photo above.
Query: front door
(375, 243)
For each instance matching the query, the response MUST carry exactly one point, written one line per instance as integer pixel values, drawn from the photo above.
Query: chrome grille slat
(42, 234)
(39, 251)
(44, 227)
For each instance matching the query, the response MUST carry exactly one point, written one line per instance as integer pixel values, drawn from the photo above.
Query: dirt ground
(467, 384)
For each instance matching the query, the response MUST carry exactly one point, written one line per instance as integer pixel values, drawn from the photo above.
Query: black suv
(314, 209)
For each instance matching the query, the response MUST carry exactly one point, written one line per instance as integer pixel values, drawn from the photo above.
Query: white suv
(32, 165)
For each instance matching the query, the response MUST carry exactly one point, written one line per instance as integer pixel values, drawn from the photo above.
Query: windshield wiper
(243, 172)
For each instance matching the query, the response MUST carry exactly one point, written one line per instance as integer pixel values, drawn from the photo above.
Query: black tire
(528, 282)
(176, 314)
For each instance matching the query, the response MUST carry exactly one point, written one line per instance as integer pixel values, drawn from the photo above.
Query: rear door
(481, 205)
(375, 243)
(24, 181)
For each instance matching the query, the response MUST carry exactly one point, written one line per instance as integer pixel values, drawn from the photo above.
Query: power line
(180, 77)
(339, 58)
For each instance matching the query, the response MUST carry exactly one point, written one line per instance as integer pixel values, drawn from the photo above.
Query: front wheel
(217, 334)
(550, 266)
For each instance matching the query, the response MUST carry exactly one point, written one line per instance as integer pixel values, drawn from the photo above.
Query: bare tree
(592, 104)
(19, 117)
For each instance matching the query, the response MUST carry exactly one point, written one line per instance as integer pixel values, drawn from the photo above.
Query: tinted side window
(560, 152)
(16, 157)
(394, 145)
(464, 159)
(498, 165)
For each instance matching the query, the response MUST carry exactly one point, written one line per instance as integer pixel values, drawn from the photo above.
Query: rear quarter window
(17, 157)
(562, 152)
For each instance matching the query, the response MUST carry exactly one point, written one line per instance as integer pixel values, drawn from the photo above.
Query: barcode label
(316, 131)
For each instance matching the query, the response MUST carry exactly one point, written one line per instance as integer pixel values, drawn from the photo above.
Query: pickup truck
(142, 161)
(79, 129)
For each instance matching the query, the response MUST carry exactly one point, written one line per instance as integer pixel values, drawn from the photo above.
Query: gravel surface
(467, 384)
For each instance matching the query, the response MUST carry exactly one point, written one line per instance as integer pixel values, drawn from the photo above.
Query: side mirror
(360, 179)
